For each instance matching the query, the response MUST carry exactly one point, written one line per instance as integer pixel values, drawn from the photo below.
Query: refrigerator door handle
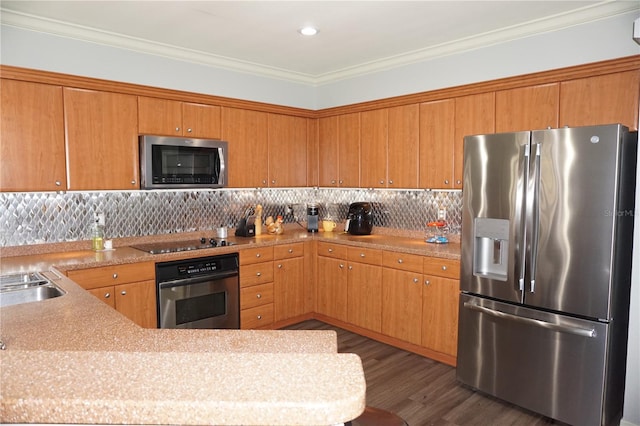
(534, 217)
(520, 214)
(584, 332)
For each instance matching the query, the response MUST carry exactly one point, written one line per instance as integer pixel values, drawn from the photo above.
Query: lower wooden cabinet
(331, 292)
(288, 281)
(130, 289)
(402, 305)
(256, 288)
(440, 314)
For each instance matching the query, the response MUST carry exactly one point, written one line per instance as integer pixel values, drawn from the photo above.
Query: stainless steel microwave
(170, 162)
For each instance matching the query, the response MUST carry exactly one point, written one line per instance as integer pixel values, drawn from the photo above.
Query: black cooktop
(177, 246)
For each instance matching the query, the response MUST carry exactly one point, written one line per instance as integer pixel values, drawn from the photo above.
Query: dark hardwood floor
(422, 391)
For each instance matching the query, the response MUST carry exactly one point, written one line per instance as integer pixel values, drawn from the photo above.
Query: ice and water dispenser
(491, 248)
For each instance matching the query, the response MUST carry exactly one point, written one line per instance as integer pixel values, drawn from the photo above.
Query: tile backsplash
(49, 217)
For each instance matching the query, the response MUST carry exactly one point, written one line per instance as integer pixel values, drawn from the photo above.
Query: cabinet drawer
(113, 275)
(288, 251)
(256, 255)
(364, 255)
(256, 317)
(447, 268)
(258, 273)
(256, 295)
(337, 251)
(402, 261)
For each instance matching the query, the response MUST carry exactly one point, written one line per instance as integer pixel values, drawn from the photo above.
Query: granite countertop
(73, 359)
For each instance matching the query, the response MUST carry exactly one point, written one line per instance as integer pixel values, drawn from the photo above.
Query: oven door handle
(196, 280)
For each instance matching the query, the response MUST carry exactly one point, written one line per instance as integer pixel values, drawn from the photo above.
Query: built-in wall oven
(199, 292)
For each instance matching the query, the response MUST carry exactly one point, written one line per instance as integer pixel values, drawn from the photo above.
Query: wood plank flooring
(421, 391)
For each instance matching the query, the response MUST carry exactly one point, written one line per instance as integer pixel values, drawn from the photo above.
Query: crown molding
(584, 15)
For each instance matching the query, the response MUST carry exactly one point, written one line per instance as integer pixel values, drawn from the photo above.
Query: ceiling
(261, 37)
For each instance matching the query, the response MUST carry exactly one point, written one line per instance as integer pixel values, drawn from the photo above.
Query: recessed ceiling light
(308, 31)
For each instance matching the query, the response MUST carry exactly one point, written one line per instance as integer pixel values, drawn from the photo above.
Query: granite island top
(73, 359)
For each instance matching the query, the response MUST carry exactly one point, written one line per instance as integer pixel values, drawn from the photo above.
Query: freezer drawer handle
(530, 321)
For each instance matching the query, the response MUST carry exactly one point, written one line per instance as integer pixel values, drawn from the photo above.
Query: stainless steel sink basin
(26, 288)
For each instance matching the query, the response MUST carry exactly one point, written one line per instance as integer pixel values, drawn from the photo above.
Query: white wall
(601, 40)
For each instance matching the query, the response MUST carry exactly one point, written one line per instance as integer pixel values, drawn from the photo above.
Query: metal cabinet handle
(390, 181)
(341, 181)
(259, 317)
(258, 255)
(273, 181)
(350, 267)
(259, 274)
(444, 267)
(361, 254)
(290, 250)
(330, 250)
(58, 183)
(341, 266)
(415, 280)
(133, 181)
(333, 181)
(400, 260)
(446, 181)
(123, 292)
(259, 296)
(427, 282)
(188, 130)
(107, 295)
(458, 182)
(382, 182)
(280, 266)
(264, 181)
(115, 276)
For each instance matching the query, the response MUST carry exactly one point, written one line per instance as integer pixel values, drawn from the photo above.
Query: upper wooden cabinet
(287, 137)
(31, 137)
(605, 99)
(475, 114)
(437, 140)
(527, 108)
(339, 150)
(373, 148)
(246, 133)
(403, 146)
(101, 140)
(173, 118)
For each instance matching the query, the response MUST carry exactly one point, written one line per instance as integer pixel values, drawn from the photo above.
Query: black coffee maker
(359, 219)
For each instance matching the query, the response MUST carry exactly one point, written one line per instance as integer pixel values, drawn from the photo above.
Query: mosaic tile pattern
(48, 217)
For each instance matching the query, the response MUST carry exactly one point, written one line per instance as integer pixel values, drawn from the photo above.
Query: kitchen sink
(25, 288)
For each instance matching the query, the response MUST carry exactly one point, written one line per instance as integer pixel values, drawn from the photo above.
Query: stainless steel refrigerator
(547, 228)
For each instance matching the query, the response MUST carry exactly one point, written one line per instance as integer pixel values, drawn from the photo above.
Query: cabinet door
(31, 137)
(288, 282)
(402, 305)
(159, 116)
(201, 121)
(246, 133)
(475, 114)
(527, 108)
(328, 151)
(606, 99)
(331, 288)
(373, 153)
(404, 130)
(437, 142)
(105, 294)
(137, 301)
(349, 150)
(287, 137)
(440, 314)
(364, 296)
(102, 140)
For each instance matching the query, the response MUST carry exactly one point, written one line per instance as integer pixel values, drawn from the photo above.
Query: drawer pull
(107, 295)
(259, 274)
(258, 254)
(115, 276)
(361, 254)
(341, 266)
(290, 250)
(259, 317)
(427, 282)
(259, 296)
(330, 250)
(280, 266)
(123, 292)
(400, 260)
(415, 280)
(444, 267)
